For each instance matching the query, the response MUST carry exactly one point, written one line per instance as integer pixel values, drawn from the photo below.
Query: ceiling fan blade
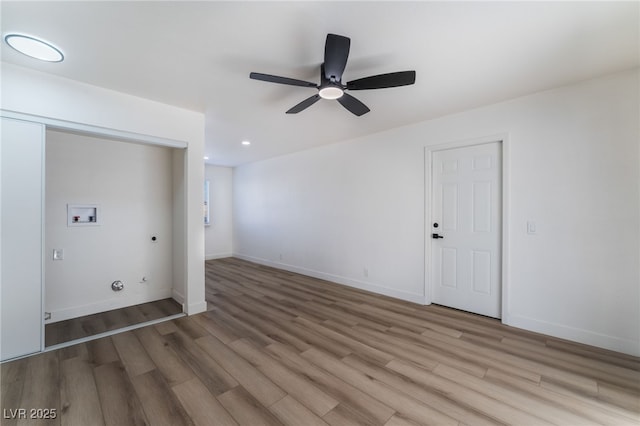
(382, 81)
(281, 80)
(336, 52)
(304, 104)
(353, 105)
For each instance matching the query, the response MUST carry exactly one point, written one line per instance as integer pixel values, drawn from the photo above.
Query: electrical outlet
(531, 228)
(58, 254)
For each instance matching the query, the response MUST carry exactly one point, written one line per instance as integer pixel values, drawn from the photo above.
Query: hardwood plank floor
(280, 348)
(90, 325)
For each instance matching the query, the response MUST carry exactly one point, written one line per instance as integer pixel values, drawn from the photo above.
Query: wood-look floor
(280, 348)
(90, 325)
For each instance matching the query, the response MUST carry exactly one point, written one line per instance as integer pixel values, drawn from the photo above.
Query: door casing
(506, 173)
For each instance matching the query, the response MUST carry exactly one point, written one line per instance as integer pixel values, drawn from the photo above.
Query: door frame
(503, 138)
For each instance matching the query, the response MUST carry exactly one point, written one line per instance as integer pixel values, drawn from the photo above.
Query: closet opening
(113, 232)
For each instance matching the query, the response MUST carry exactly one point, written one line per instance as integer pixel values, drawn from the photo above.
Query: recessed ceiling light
(34, 47)
(206, 158)
(246, 143)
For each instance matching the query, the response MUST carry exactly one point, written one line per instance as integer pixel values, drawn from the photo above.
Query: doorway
(109, 225)
(465, 227)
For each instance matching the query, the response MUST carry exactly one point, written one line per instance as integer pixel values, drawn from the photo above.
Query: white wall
(133, 187)
(574, 170)
(334, 211)
(219, 234)
(31, 92)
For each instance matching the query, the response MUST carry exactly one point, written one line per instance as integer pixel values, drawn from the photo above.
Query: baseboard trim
(177, 296)
(350, 282)
(107, 305)
(196, 308)
(217, 256)
(587, 337)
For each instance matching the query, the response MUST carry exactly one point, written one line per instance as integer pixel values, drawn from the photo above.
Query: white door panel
(21, 159)
(466, 206)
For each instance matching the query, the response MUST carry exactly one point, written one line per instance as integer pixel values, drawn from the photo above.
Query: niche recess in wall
(83, 215)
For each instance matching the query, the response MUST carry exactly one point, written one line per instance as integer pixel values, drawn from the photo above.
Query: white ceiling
(198, 55)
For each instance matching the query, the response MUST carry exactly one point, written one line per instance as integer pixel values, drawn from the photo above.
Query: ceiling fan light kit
(336, 53)
(330, 92)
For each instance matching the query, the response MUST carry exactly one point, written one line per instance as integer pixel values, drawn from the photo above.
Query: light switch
(531, 227)
(58, 254)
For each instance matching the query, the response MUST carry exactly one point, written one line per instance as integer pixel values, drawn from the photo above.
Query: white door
(21, 160)
(466, 228)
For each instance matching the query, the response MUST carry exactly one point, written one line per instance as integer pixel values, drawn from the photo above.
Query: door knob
(436, 236)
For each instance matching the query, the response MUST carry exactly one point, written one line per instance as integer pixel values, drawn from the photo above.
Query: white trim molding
(91, 130)
(573, 334)
(107, 305)
(349, 282)
(217, 256)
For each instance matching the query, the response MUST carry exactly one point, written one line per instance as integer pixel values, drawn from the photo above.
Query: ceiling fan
(336, 52)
